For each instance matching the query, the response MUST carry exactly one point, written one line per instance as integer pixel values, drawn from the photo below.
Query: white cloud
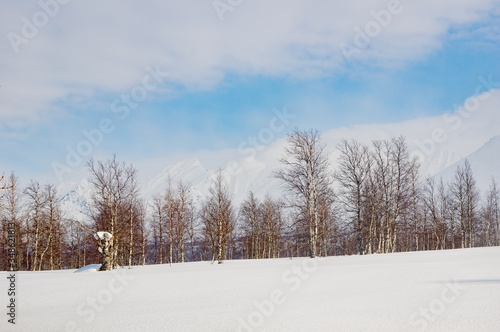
(91, 46)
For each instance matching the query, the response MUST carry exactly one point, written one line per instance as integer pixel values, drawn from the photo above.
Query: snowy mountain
(249, 174)
(439, 142)
(74, 201)
(485, 164)
(242, 176)
(190, 171)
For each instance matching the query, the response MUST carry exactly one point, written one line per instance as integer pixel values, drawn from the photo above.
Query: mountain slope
(249, 174)
(485, 164)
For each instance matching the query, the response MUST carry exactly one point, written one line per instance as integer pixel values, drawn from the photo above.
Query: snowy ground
(455, 290)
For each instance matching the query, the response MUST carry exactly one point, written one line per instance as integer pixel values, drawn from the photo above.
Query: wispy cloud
(89, 47)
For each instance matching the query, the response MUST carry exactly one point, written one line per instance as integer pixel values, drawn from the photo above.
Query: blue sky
(225, 77)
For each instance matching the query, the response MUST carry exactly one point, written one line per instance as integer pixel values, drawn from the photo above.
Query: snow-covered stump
(104, 241)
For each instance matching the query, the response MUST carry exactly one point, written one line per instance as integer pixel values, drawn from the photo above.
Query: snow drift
(451, 290)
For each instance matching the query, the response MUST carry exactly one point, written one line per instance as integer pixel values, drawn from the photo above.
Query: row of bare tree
(39, 231)
(381, 204)
(261, 227)
(392, 209)
(375, 202)
(173, 223)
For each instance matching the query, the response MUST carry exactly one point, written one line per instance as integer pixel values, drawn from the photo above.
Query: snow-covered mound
(89, 268)
(452, 290)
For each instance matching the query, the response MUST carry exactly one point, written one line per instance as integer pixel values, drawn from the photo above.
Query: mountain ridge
(244, 176)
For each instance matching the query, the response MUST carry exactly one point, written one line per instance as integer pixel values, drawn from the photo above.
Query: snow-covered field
(454, 290)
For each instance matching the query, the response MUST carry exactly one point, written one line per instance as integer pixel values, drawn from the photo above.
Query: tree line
(375, 202)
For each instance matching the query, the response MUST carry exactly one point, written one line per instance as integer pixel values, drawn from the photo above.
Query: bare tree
(192, 222)
(262, 226)
(10, 220)
(170, 209)
(37, 203)
(415, 209)
(327, 224)
(112, 183)
(437, 203)
(371, 196)
(466, 197)
(158, 225)
(76, 234)
(376, 191)
(184, 211)
(306, 179)
(393, 172)
(250, 215)
(52, 232)
(142, 211)
(271, 227)
(352, 174)
(134, 192)
(218, 218)
(491, 215)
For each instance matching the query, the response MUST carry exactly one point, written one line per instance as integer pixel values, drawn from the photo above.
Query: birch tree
(10, 213)
(466, 197)
(36, 203)
(393, 169)
(133, 200)
(142, 213)
(52, 231)
(272, 226)
(218, 218)
(158, 225)
(491, 215)
(250, 215)
(352, 174)
(184, 213)
(306, 179)
(112, 182)
(437, 203)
